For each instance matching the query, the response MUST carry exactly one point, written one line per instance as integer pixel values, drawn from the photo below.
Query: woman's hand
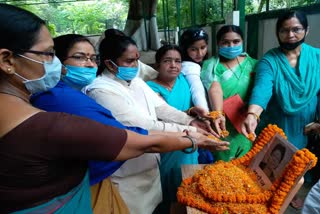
(312, 128)
(249, 125)
(198, 111)
(204, 127)
(205, 142)
(220, 124)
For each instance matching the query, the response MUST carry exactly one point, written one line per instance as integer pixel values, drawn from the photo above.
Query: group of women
(118, 116)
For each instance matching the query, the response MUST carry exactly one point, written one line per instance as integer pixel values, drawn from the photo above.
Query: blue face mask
(78, 77)
(51, 77)
(230, 52)
(126, 73)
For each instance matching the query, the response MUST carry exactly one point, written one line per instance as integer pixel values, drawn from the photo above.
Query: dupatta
(294, 89)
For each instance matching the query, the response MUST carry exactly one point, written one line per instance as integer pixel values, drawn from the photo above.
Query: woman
(117, 85)
(288, 77)
(194, 45)
(229, 74)
(43, 161)
(172, 86)
(79, 60)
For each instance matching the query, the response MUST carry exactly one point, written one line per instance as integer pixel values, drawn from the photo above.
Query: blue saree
(77, 201)
(170, 167)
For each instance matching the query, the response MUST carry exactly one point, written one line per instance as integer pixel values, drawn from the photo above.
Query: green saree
(238, 80)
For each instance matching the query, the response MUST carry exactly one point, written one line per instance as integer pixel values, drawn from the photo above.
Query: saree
(290, 95)
(179, 97)
(76, 200)
(106, 199)
(170, 166)
(238, 80)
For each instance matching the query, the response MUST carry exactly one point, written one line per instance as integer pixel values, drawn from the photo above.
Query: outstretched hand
(205, 142)
(203, 127)
(312, 128)
(249, 125)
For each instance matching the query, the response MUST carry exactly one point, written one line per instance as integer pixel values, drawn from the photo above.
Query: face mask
(51, 77)
(290, 46)
(230, 52)
(126, 73)
(78, 77)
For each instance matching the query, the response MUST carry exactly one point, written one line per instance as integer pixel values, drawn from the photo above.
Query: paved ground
(302, 194)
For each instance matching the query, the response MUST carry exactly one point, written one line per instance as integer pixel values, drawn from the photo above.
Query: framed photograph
(271, 161)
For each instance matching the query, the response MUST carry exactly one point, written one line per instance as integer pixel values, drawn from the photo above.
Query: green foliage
(209, 11)
(82, 17)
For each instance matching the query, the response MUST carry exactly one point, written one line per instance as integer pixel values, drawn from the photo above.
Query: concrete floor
(302, 193)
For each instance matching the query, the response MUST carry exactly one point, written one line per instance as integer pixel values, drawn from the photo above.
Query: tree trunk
(142, 25)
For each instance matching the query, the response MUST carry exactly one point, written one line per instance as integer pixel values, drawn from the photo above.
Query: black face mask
(290, 46)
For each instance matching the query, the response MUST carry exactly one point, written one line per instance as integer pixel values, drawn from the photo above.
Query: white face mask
(51, 77)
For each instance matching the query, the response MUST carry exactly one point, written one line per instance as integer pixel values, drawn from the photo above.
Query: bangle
(255, 115)
(194, 146)
(189, 110)
(216, 114)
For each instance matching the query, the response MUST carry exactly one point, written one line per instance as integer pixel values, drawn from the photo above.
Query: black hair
(113, 32)
(281, 149)
(301, 16)
(164, 49)
(226, 29)
(112, 48)
(63, 44)
(189, 37)
(19, 28)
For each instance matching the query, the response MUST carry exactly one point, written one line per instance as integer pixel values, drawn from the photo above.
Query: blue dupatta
(295, 88)
(77, 200)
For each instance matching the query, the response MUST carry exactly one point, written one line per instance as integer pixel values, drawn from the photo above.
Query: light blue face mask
(79, 77)
(51, 77)
(230, 52)
(126, 73)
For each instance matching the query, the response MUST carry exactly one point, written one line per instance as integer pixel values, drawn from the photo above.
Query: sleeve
(127, 114)
(81, 138)
(198, 92)
(173, 118)
(191, 71)
(146, 72)
(312, 202)
(263, 85)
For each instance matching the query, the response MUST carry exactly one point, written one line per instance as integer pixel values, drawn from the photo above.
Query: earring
(9, 69)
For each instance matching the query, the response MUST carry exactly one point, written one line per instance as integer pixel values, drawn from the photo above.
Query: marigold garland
(204, 189)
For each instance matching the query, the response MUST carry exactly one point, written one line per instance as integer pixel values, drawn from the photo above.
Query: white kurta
(191, 71)
(135, 104)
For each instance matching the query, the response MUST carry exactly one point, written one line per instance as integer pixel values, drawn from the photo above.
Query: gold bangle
(216, 114)
(189, 110)
(255, 115)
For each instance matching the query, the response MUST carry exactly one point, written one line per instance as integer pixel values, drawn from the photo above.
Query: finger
(217, 126)
(244, 130)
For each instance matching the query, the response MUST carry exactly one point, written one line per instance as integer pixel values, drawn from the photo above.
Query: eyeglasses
(48, 55)
(83, 59)
(295, 30)
(45, 53)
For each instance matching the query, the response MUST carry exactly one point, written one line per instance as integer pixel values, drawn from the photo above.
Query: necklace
(168, 86)
(238, 77)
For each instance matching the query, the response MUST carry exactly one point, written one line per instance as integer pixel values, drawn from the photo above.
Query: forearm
(138, 144)
(216, 96)
(170, 114)
(255, 109)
